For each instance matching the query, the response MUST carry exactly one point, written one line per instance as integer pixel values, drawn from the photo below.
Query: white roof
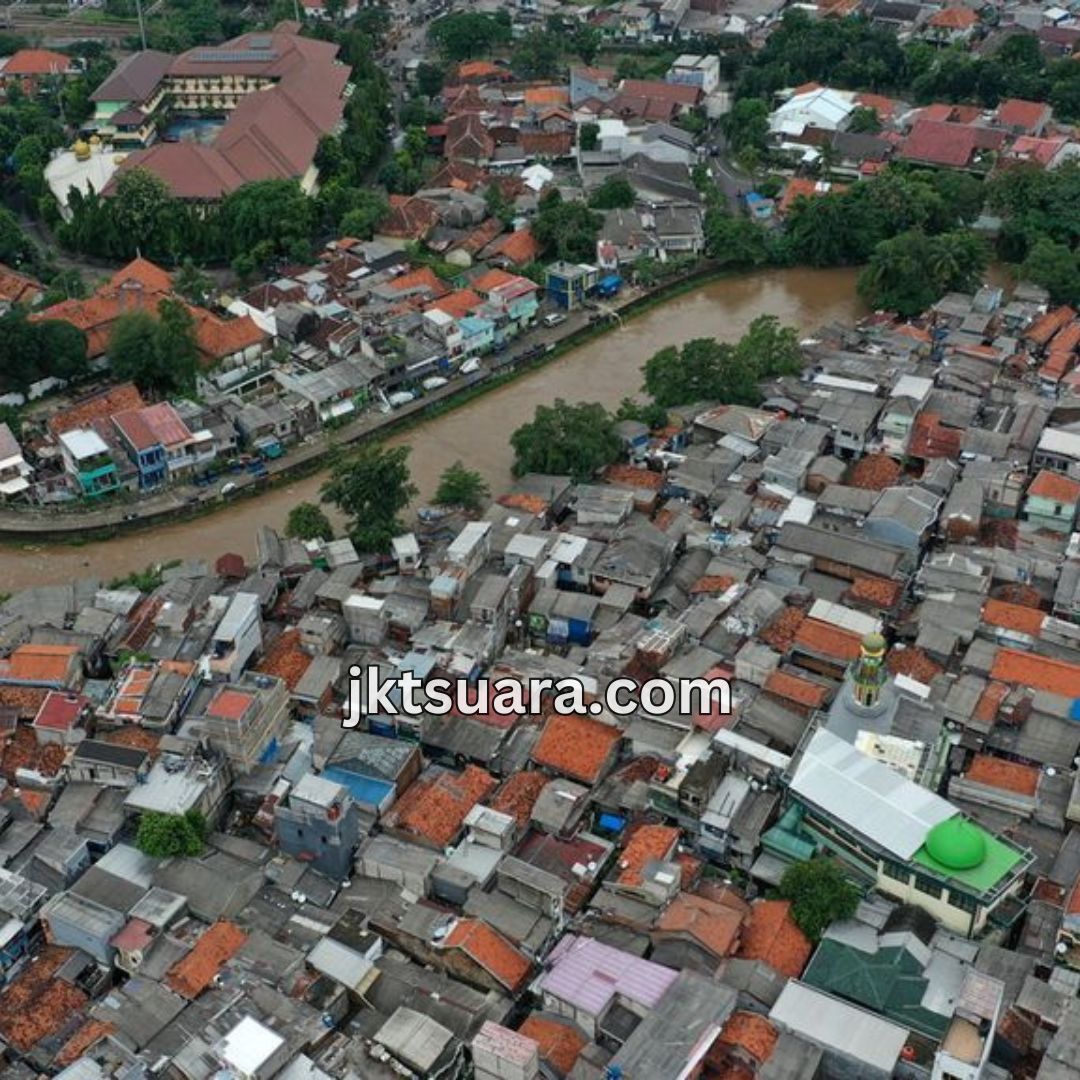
(83, 443)
(912, 386)
(868, 797)
(342, 964)
(821, 108)
(1058, 441)
(858, 622)
(829, 1022)
(249, 1046)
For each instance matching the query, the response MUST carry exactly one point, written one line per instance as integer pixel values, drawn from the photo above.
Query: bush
(163, 835)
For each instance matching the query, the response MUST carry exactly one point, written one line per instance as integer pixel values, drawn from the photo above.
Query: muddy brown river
(478, 433)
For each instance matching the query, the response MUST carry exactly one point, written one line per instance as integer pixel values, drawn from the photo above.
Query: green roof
(888, 982)
(950, 849)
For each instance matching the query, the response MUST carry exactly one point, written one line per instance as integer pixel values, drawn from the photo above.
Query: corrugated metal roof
(869, 797)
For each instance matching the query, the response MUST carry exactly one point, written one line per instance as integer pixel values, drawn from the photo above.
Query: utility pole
(142, 24)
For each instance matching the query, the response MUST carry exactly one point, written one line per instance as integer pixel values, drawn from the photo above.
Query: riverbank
(475, 427)
(180, 502)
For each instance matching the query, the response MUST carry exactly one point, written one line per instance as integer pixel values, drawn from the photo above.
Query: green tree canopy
(566, 439)
(30, 351)
(537, 55)
(371, 488)
(462, 487)
(430, 79)
(162, 836)
(468, 34)
(820, 895)
(614, 193)
(160, 355)
(306, 521)
(1056, 268)
(568, 230)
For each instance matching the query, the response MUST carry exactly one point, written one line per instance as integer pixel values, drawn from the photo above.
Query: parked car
(556, 318)
(228, 488)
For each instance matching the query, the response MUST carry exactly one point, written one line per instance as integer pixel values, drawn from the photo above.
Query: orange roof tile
(576, 746)
(458, 304)
(519, 247)
(801, 691)
(716, 926)
(285, 659)
(190, 976)
(1056, 488)
(955, 18)
(1047, 325)
(547, 95)
(1037, 672)
(422, 278)
(91, 1032)
(990, 702)
(1023, 620)
(628, 476)
(874, 472)
(930, 438)
(1017, 113)
(433, 808)
(18, 288)
(145, 273)
(751, 1032)
(37, 62)
(771, 936)
(879, 592)
(100, 406)
(39, 663)
(518, 795)
(780, 633)
(36, 1004)
(649, 843)
(491, 951)
(913, 663)
(1007, 775)
(712, 583)
(560, 1041)
(828, 640)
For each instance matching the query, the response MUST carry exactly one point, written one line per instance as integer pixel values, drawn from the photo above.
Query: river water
(478, 433)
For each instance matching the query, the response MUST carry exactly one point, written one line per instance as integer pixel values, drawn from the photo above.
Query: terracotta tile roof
(649, 843)
(954, 18)
(801, 691)
(91, 1032)
(531, 504)
(1056, 488)
(519, 247)
(1046, 326)
(885, 107)
(803, 187)
(100, 406)
(560, 1041)
(496, 279)
(479, 69)
(771, 936)
(930, 438)
(940, 142)
(752, 1033)
(990, 702)
(433, 808)
(1007, 775)
(146, 273)
(458, 304)
(780, 633)
(1036, 672)
(874, 472)
(827, 640)
(547, 143)
(39, 663)
(628, 476)
(37, 1004)
(422, 278)
(1023, 620)
(18, 288)
(219, 338)
(491, 951)
(576, 746)
(410, 218)
(547, 95)
(190, 976)
(133, 736)
(518, 795)
(1017, 113)
(714, 925)
(36, 62)
(25, 700)
(286, 659)
(878, 592)
(711, 584)
(229, 704)
(913, 663)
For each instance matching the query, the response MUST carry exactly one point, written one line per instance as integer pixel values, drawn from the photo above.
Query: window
(928, 886)
(962, 901)
(896, 871)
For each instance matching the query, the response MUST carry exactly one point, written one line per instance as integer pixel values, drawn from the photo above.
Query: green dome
(956, 844)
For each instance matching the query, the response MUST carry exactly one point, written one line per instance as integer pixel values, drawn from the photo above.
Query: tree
(568, 229)
(746, 125)
(586, 43)
(1056, 268)
(588, 136)
(652, 415)
(35, 350)
(820, 895)
(614, 193)
(462, 487)
(769, 348)
(430, 79)
(467, 34)
(162, 836)
(159, 355)
(15, 245)
(367, 210)
(371, 488)
(274, 212)
(140, 207)
(537, 55)
(734, 241)
(864, 120)
(702, 370)
(566, 439)
(911, 271)
(306, 521)
(192, 284)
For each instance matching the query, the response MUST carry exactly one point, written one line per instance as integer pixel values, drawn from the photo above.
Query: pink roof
(588, 974)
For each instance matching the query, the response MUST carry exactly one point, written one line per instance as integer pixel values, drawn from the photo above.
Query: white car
(228, 489)
(556, 318)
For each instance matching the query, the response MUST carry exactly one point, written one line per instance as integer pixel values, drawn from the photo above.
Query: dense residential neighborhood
(590, 352)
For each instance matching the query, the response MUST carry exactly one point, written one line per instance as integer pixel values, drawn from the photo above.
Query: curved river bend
(605, 370)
